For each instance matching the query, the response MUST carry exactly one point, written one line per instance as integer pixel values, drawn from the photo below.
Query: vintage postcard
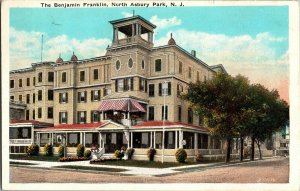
(150, 95)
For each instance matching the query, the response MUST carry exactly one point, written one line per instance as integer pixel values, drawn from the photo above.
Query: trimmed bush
(181, 155)
(48, 150)
(61, 151)
(123, 148)
(118, 154)
(33, 150)
(129, 153)
(151, 152)
(87, 153)
(80, 150)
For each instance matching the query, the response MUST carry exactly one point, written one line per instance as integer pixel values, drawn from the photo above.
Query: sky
(252, 41)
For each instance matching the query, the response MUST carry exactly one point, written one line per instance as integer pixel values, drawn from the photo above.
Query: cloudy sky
(252, 41)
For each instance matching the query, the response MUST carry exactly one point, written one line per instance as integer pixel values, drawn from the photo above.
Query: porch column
(132, 28)
(83, 139)
(81, 142)
(176, 139)
(66, 139)
(154, 139)
(196, 141)
(102, 116)
(39, 139)
(180, 139)
(151, 139)
(100, 140)
(131, 139)
(52, 139)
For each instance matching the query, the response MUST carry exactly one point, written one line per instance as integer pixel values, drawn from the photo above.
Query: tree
(221, 100)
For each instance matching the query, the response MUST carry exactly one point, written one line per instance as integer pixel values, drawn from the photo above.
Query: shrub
(151, 152)
(87, 153)
(61, 151)
(80, 150)
(199, 158)
(129, 153)
(118, 154)
(123, 148)
(33, 150)
(48, 150)
(181, 155)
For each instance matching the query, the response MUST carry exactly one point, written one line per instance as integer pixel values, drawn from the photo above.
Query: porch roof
(29, 122)
(130, 105)
(70, 127)
(149, 124)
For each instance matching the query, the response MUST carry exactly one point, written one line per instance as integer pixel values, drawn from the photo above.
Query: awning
(121, 105)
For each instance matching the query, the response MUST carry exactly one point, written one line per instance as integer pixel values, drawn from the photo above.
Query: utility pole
(42, 48)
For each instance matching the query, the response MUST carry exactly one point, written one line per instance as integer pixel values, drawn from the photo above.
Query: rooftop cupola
(132, 30)
(74, 57)
(171, 41)
(59, 60)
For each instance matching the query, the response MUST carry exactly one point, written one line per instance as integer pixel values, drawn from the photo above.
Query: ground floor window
(141, 140)
(73, 139)
(20, 133)
(188, 138)
(92, 139)
(158, 140)
(44, 139)
(170, 140)
(202, 141)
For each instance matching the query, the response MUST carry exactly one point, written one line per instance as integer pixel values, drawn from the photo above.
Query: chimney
(193, 53)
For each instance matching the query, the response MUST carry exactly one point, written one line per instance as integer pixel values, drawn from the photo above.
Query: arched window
(130, 63)
(118, 65)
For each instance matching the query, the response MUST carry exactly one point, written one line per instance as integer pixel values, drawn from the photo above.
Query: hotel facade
(114, 100)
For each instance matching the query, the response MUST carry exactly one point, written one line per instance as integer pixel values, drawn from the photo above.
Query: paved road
(266, 171)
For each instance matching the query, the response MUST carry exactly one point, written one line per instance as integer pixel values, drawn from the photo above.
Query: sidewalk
(138, 171)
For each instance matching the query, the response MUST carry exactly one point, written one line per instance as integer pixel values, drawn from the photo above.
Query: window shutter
(85, 117)
(146, 86)
(92, 116)
(99, 94)
(59, 97)
(59, 117)
(92, 95)
(78, 97)
(116, 85)
(131, 81)
(159, 89)
(78, 116)
(66, 115)
(66, 97)
(85, 96)
(169, 88)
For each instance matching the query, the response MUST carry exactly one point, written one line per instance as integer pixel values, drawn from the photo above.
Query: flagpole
(42, 48)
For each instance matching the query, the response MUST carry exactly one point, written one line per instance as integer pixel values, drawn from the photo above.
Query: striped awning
(121, 105)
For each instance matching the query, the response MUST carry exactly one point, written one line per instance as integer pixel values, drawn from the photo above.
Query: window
(166, 112)
(170, 140)
(81, 117)
(189, 140)
(28, 98)
(33, 114)
(179, 113)
(12, 83)
(50, 76)
(40, 77)
(160, 88)
(190, 116)
(34, 81)
(128, 84)
(50, 95)
(20, 83)
(20, 97)
(33, 98)
(151, 90)
(130, 63)
(151, 113)
(63, 97)
(179, 89)
(82, 76)
(143, 84)
(198, 76)
(95, 95)
(96, 74)
(141, 140)
(118, 65)
(158, 65)
(28, 81)
(190, 72)
(119, 85)
(40, 95)
(95, 116)
(82, 96)
(39, 112)
(27, 114)
(91, 139)
(63, 77)
(180, 67)
(63, 117)
(73, 139)
(12, 98)
(143, 64)
(50, 112)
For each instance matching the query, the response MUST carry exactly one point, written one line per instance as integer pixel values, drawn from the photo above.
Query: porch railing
(20, 141)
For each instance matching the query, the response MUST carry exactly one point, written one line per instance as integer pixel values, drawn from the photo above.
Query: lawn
(145, 164)
(20, 163)
(37, 158)
(91, 168)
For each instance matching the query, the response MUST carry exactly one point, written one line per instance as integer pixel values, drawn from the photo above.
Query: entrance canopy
(121, 105)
